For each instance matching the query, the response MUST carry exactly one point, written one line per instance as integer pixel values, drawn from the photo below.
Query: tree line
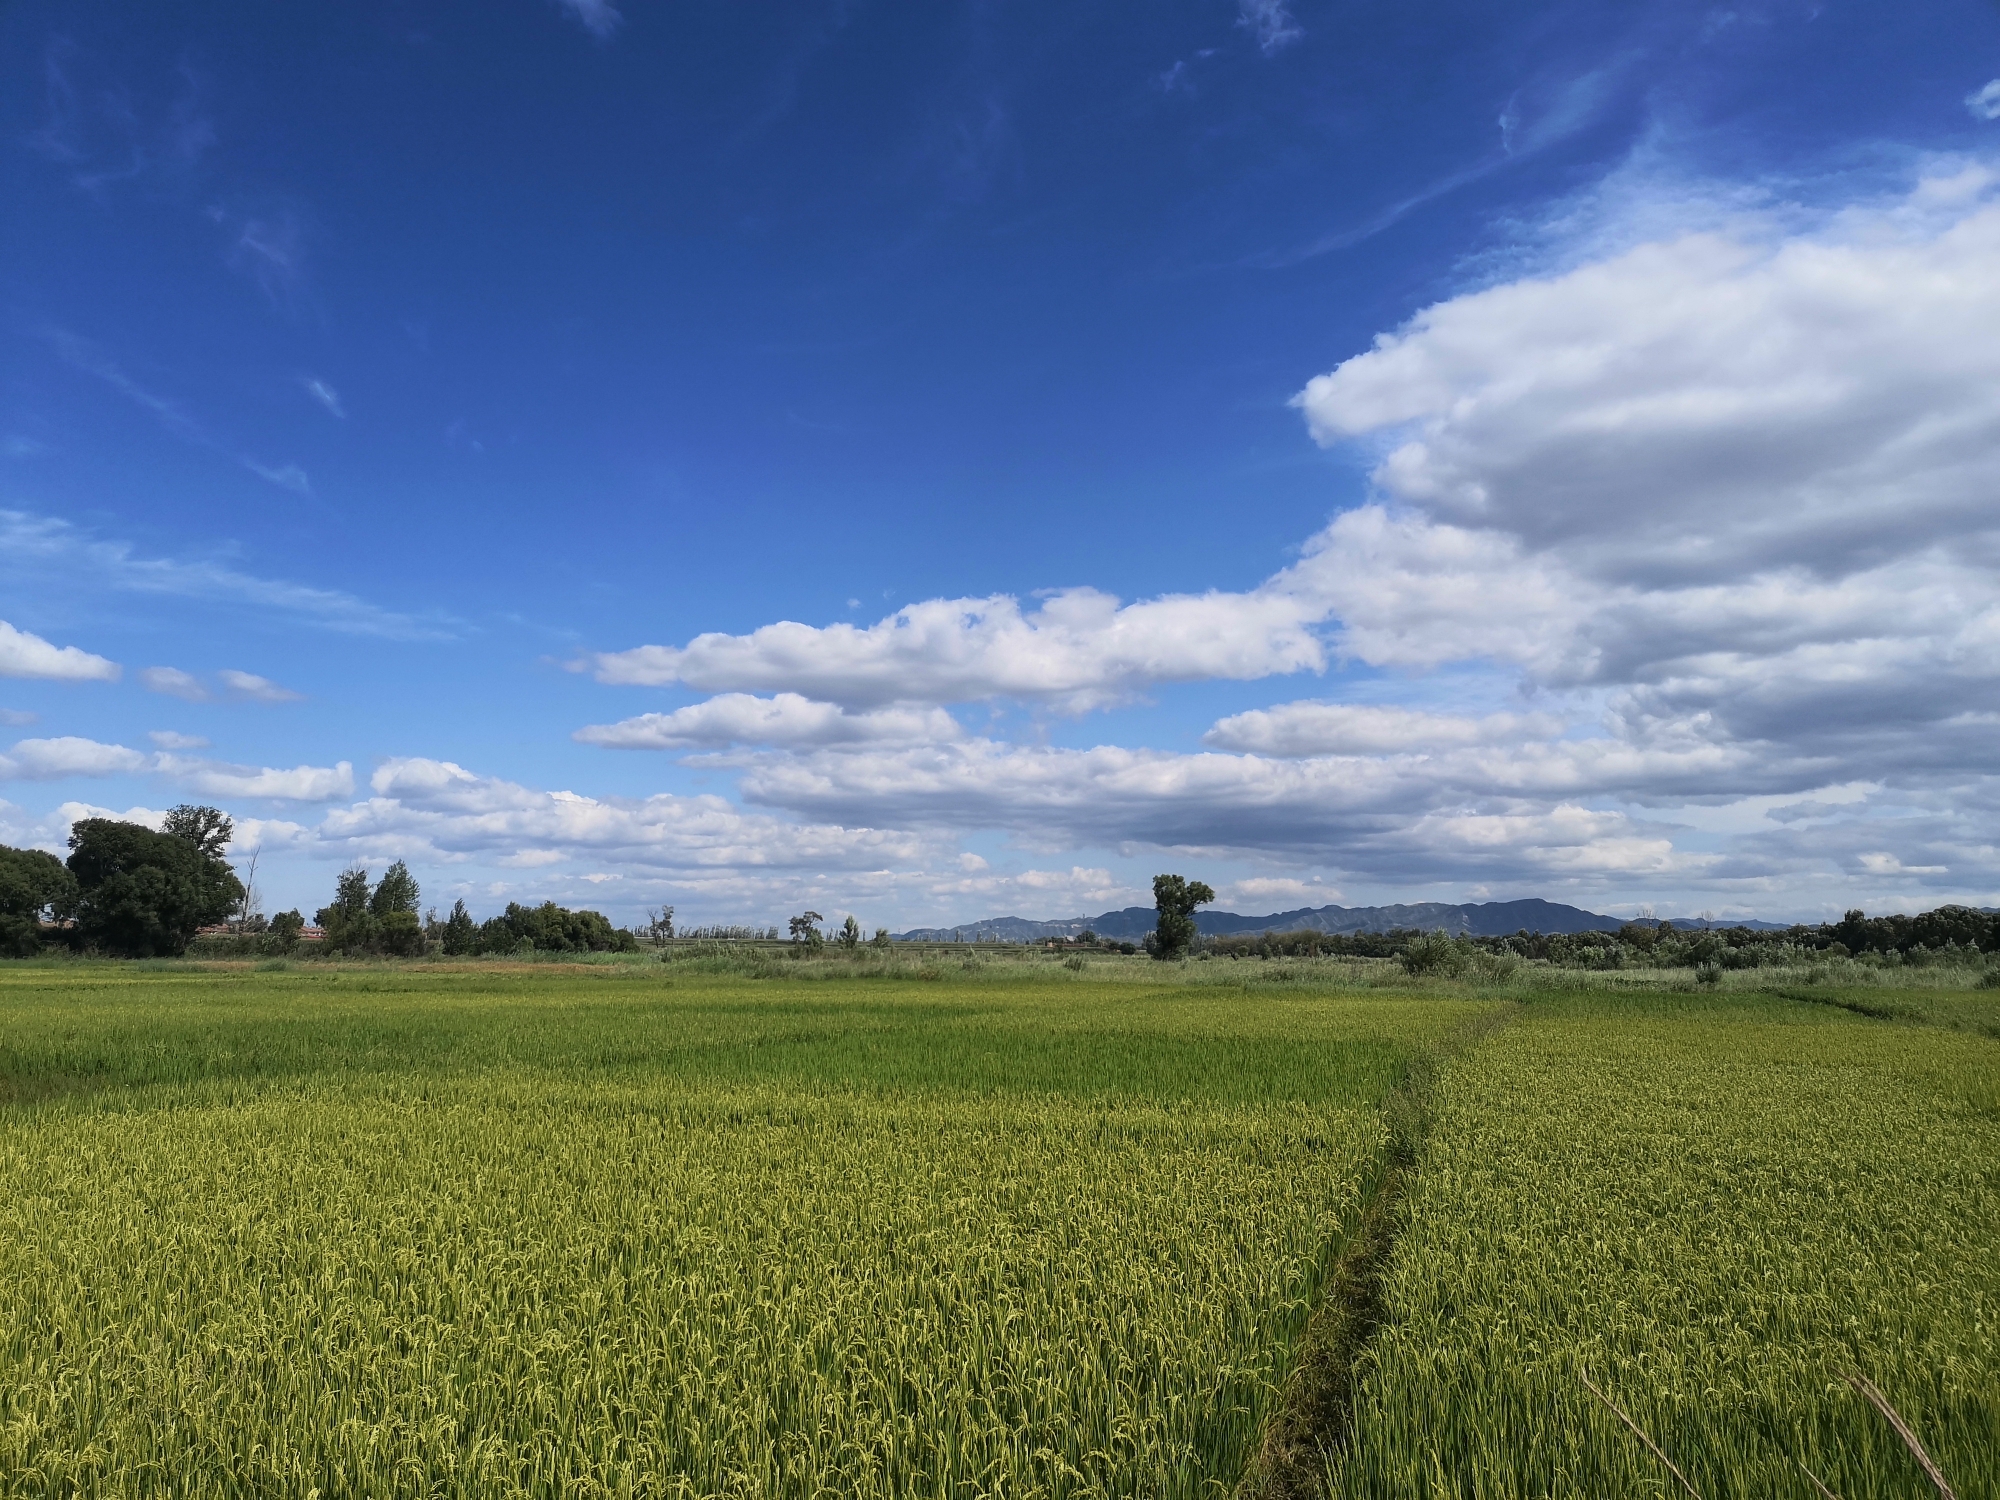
(127, 891)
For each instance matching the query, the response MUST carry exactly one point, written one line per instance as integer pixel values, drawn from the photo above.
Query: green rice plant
(1716, 1207)
(536, 1231)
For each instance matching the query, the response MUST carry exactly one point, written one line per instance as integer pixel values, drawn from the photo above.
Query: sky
(954, 460)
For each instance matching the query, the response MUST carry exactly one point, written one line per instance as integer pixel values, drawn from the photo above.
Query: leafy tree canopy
(207, 828)
(142, 894)
(1175, 897)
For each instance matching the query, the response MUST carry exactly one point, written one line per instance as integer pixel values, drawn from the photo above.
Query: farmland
(604, 1232)
(961, 1228)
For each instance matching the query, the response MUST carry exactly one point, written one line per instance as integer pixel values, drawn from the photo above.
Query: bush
(1434, 953)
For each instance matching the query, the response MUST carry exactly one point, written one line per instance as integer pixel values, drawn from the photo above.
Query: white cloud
(255, 689)
(600, 18)
(1079, 649)
(70, 755)
(1721, 500)
(1270, 21)
(786, 719)
(66, 756)
(1309, 728)
(1258, 894)
(15, 717)
(442, 808)
(1985, 102)
(174, 683)
(25, 655)
(168, 739)
(219, 779)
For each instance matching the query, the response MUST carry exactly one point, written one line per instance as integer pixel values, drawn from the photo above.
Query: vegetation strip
(1314, 1418)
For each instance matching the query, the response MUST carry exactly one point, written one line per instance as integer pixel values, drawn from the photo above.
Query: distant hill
(1483, 919)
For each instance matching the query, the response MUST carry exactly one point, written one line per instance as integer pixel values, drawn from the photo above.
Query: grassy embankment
(639, 1229)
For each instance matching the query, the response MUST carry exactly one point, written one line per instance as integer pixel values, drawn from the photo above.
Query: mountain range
(1481, 919)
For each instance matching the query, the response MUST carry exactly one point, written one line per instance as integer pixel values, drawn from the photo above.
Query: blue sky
(1352, 452)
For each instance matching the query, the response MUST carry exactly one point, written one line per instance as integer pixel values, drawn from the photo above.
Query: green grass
(634, 1230)
(1718, 1205)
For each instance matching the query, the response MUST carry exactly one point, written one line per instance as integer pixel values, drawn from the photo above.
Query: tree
(850, 934)
(393, 905)
(33, 886)
(549, 928)
(881, 939)
(1175, 898)
(207, 828)
(142, 894)
(350, 926)
(286, 927)
(461, 934)
(805, 930)
(396, 891)
(660, 924)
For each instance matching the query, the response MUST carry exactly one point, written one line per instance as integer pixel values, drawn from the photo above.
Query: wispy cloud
(174, 683)
(252, 688)
(82, 355)
(1985, 103)
(325, 395)
(601, 18)
(168, 739)
(1533, 120)
(1271, 23)
(26, 655)
(284, 476)
(42, 546)
(105, 136)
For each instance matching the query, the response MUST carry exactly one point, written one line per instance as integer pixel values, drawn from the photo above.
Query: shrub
(1434, 953)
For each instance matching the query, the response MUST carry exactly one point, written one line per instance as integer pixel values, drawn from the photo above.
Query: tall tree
(461, 933)
(141, 893)
(1175, 897)
(396, 891)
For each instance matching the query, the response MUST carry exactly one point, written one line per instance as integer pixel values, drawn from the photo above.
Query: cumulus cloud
(175, 683)
(443, 809)
(69, 756)
(220, 779)
(1078, 649)
(1396, 817)
(1309, 728)
(66, 756)
(786, 719)
(26, 655)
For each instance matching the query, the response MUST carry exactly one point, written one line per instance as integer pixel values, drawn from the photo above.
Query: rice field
(1717, 1208)
(693, 1229)
(627, 1232)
